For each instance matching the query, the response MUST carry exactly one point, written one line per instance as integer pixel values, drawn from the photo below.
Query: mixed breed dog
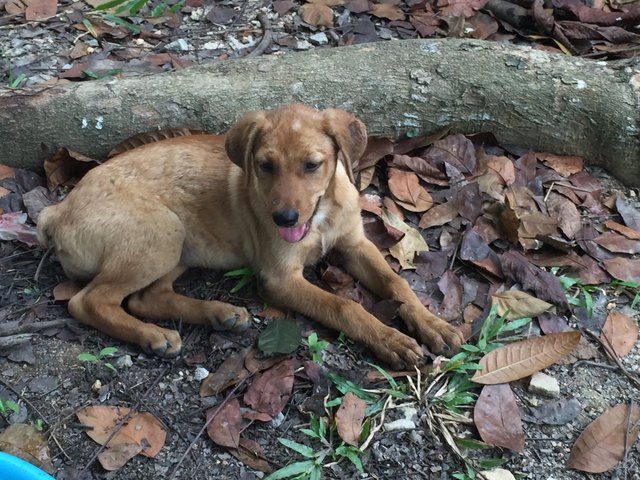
(275, 193)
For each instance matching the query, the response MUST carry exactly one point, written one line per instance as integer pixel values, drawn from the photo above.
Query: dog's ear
(350, 135)
(240, 139)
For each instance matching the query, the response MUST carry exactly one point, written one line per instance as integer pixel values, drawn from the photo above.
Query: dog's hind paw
(232, 318)
(161, 342)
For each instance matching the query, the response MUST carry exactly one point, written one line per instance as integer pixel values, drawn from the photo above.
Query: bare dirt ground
(46, 379)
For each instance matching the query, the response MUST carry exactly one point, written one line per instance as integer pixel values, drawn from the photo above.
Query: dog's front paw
(441, 337)
(228, 317)
(161, 341)
(398, 350)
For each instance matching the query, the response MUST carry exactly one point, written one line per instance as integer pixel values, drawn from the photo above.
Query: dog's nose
(285, 218)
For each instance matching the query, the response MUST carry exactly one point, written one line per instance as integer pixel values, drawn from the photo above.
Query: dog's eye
(266, 167)
(312, 166)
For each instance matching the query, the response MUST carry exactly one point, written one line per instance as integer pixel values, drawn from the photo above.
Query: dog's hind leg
(160, 301)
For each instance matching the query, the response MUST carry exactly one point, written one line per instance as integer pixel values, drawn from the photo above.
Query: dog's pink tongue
(292, 234)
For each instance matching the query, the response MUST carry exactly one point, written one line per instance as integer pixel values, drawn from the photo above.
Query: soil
(48, 381)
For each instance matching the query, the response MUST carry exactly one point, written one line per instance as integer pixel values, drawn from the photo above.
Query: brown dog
(134, 224)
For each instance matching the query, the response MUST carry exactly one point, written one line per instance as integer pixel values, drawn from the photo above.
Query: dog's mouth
(294, 234)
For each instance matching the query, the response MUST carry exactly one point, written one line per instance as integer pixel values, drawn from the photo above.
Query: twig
(267, 36)
(44, 257)
(176, 467)
(14, 327)
(236, 19)
(122, 421)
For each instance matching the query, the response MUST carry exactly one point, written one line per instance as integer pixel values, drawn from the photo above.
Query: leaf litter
(461, 262)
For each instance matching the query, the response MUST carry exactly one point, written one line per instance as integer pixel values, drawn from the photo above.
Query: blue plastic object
(14, 468)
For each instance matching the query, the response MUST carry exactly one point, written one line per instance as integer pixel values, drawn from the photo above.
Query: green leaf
(386, 375)
(471, 443)
(469, 348)
(567, 282)
(298, 447)
(107, 351)
(492, 463)
(158, 9)
(176, 7)
(345, 386)
(281, 336)
(110, 4)
(110, 367)
(89, 26)
(87, 357)
(310, 433)
(293, 469)
(515, 324)
(352, 454)
(124, 22)
(240, 272)
(588, 302)
(11, 405)
(315, 473)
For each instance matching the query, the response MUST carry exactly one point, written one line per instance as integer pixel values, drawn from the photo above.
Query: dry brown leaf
(365, 177)
(116, 456)
(225, 427)
(460, 8)
(625, 269)
(229, 373)
(328, 3)
(617, 243)
(521, 359)
(66, 167)
(620, 333)
(269, 392)
(6, 171)
(566, 214)
(406, 188)
(517, 304)
(497, 417)
(349, 418)
(440, 214)
(388, 11)
(25, 442)
(412, 243)
(39, 10)
(65, 290)
(15, 7)
(316, 14)
(143, 428)
(503, 166)
(250, 453)
(602, 444)
(563, 164)
(624, 230)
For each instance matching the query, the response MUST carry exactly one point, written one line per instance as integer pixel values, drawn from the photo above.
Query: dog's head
(290, 156)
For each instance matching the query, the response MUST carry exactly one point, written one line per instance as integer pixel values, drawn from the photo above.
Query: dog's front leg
(365, 262)
(294, 292)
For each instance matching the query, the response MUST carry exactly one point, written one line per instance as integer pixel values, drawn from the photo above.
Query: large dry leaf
(602, 444)
(521, 359)
(456, 151)
(250, 453)
(229, 373)
(460, 8)
(544, 285)
(66, 167)
(630, 215)
(440, 214)
(624, 230)
(620, 333)
(497, 417)
(116, 456)
(25, 442)
(270, 391)
(563, 164)
(386, 10)
(625, 269)
(516, 304)
(349, 418)
(406, 188)
(39, 10)
(316, 14)
(225, 427)
(412, 243)
(566, 214)
(617, 243)
(142, 428)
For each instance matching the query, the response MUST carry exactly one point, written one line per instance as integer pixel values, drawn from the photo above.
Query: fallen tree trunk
(525, 97)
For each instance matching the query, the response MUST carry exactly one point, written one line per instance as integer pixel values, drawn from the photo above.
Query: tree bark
(525, 97)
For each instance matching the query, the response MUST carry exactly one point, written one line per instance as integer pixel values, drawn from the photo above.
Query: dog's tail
(45, 224)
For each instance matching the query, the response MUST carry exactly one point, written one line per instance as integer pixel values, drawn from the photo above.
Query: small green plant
(102, 355)
(311, 468)
(578, 293)
(629, 288)
(8, 405)
(316, 347)
(245, 276)
(38, 424)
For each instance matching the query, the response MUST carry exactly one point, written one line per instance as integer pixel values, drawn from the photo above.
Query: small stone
(180, 44)
(214, 46)
(498, 474)
(200, 374)
(319, 38)
(124, 361)
(97, 385)
(543, 384)
(277, 420)
(400, 425)
(302, 45)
